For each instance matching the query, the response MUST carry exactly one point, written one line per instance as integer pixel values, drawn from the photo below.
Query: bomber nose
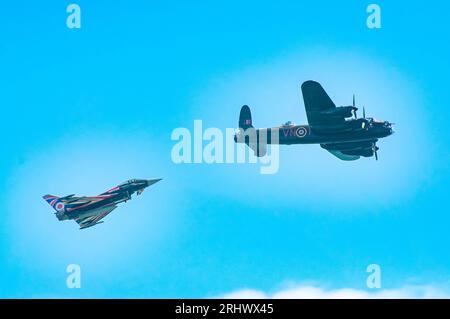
(391, 130)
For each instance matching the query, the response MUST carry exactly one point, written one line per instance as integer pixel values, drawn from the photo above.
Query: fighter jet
(88, 211)
(336, 129)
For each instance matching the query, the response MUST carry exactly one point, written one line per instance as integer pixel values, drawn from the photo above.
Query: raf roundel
(59, 206)
(301, 131)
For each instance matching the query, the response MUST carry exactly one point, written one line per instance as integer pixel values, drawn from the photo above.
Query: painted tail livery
(55, 202)
(255, 139)
(245, 118)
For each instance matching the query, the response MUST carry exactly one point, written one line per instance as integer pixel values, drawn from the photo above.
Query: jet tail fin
(54, 201)
(245, 118)
(51, 199)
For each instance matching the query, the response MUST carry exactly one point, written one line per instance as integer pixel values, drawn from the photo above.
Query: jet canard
(87, 211)
(336, 129)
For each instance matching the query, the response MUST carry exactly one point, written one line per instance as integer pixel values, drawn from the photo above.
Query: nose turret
(389, 125)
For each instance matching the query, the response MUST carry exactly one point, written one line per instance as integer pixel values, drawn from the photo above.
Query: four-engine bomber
(336, 129)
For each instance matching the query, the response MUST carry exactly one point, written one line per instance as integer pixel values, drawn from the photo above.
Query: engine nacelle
(341, 111)
(348, 126)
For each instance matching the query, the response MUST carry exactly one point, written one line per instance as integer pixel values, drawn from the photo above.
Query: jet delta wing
(93, 217)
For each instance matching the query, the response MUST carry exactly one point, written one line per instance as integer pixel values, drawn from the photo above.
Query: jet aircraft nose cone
(153, 181)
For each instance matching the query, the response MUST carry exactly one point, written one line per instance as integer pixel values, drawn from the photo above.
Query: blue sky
(84, 110)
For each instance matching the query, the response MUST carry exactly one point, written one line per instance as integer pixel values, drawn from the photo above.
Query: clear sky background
(84, 110)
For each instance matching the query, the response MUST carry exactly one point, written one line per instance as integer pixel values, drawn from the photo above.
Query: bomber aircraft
(336, 129)
(87, 211)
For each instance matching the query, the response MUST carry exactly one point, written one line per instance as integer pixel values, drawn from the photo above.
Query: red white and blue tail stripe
(55, 202)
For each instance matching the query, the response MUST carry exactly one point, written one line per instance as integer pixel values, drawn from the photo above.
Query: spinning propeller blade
(375, 149)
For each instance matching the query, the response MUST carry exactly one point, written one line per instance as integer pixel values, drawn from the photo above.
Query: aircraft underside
(344, 146)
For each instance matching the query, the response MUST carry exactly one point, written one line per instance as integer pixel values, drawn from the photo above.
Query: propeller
(364, 112)
(354, 108)
(375, 149)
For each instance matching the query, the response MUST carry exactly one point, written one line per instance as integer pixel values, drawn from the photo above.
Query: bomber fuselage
(354, 131)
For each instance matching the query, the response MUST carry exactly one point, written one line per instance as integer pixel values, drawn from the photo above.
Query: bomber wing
(343, 156)
(319, 107)
(352, 150)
